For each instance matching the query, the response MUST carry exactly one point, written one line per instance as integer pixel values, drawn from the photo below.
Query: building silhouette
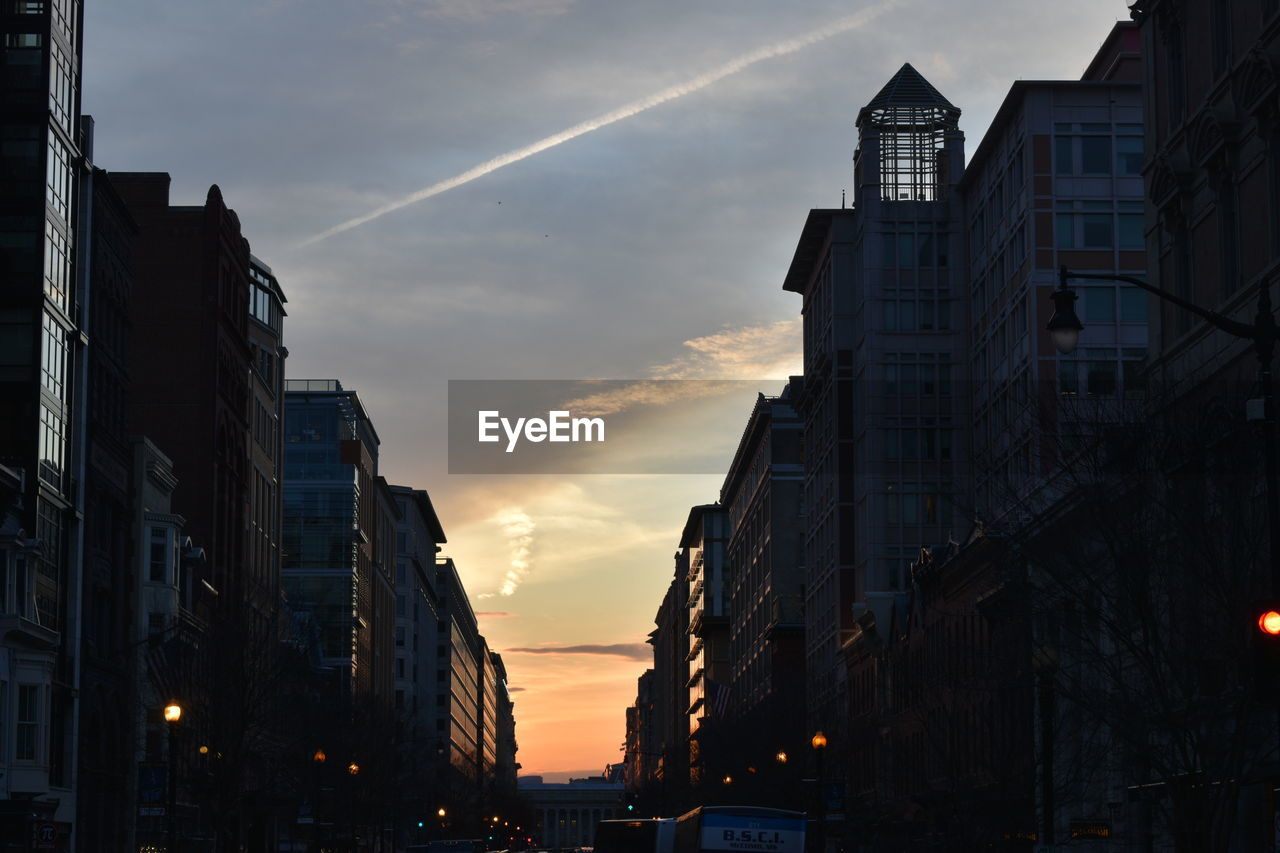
(881, 400)
(42, 416)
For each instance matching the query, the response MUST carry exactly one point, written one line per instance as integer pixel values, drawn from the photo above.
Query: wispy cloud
(771, 351)
(694, 84)
(493, 614)
(517, 527)
(630, 651)
(516, 689)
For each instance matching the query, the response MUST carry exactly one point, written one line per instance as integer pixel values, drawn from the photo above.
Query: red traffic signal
(1265, 628)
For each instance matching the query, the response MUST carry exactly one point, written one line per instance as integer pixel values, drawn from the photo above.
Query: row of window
(1098, 225)
(1088, 154)
(910, 249)
(922, 314)
(910, 439)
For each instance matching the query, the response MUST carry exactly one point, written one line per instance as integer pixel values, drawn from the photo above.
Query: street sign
(151, 811)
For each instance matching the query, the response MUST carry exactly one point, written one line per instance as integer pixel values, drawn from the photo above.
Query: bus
(639, 835)
(740, 829)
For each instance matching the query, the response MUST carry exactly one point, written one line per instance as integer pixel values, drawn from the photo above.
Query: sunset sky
(541, 189)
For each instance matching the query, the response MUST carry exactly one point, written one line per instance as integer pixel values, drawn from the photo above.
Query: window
(161, 554)
(58, 179)
(399, 667)
(1068, 378)
(1100, 304)
(400, 632)
(1130, 225)
(1128, 155)
(53, 357)
(1087, 225)
(62, 88)
(1063, 156)
(1095, 155)
(52, 446)
(399, 605)
(27, 730)
(1133, 305)
(1101, 373)
(57, 264)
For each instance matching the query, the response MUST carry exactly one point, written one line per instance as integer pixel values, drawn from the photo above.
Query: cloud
(770, 351)
(518, 528)
(631, 651)
(493, 614)
(516, 689)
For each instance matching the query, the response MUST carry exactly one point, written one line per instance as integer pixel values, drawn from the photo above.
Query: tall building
(42, 418)
(267, 355)
(761, 494)
(702, 546)
(190, 365)
(1056, 181)
(109, 672)
(330, 519)
(882, 286)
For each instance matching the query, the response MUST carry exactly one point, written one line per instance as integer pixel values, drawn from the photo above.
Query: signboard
(752, 834)
(44, 835)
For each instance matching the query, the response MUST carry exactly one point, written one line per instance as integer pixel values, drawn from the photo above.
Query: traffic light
(1265, 627)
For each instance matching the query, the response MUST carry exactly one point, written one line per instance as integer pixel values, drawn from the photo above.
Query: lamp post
(172, 714)
(1065, 328)
(819, 744)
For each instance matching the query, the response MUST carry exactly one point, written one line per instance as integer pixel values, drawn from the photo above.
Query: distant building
(567, 813)
(459, 673)
(670, 641)
(506, 766)
(702, 546)
(765, 577)
(423, 721)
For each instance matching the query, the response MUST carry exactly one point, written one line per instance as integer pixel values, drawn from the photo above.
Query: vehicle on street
(637, 835)
(740, 829)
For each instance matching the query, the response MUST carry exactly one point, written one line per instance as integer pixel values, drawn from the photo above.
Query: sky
(542, 189)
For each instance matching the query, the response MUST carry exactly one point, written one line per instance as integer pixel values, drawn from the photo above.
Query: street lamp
(819, 744)
(172, 715)
(781, 757)
(1263, 332)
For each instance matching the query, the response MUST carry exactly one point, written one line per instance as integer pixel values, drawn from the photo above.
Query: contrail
(733, 66)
